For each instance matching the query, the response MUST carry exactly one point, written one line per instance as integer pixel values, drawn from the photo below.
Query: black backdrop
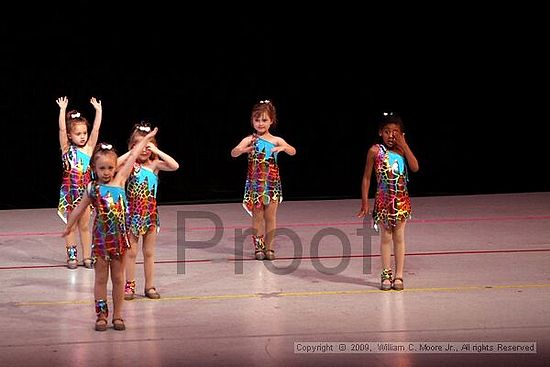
(465, 82)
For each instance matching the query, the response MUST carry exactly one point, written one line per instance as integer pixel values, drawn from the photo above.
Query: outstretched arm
(165, 162)
(94, 134)
(77, 212)
(124, 171)
(365, 182)
(283, 146)
(245, 146)
(63, 139)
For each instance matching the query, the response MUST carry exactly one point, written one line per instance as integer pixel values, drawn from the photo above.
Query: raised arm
(407, 152)
(94, 134)
(365, 182)
(77, 213)
(283, 146)
(124, 171)
(121, 159)
(63, 139)
(165, 162)
(245, 146)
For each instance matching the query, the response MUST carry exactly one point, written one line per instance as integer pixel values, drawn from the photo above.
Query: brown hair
(102, 149)
(73, 117)
(267, 107)
(141, 129)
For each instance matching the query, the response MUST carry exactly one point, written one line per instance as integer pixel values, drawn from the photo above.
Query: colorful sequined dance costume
(76, 176)
(263, 183)
(142, 200)
(110, 237)
(392, 202)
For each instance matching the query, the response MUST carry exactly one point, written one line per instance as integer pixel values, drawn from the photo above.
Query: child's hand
(250, 146)
(400, 140)
(151, 133)
(363, 212)
(66, 231)
(62, 102)
(96, 103)
(278, 148)
(152, 148)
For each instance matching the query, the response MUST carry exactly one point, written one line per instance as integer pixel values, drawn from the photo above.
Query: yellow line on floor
(296, 294)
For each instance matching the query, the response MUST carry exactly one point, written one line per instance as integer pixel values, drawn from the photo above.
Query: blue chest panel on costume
(265, 146)
(397, 163)
(115, 192)
(141, 174)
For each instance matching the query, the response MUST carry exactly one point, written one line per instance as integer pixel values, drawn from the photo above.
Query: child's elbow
(415, 168)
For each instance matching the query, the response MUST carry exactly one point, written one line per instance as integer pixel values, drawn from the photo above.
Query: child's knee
(132, 251)
(118, 278)
(84, 227)
(148, 251)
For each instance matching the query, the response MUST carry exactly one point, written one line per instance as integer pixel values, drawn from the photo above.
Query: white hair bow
(75, 115)
(144, 128)
(106, 146)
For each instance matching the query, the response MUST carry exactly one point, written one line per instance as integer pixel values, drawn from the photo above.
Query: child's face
(261, 123)
(105, 167)
(79, 134)
(145, 153)
(389, 133)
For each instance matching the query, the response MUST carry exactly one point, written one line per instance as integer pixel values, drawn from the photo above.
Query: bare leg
(71, 251)
(270, 213)
(117, 281)
(101, 269)
(399, 248)
(258, 222)
(258, 233)
(386, 236)
(85, 234)
(149, 244)
(101, 275)
(70, 238)
(131, 255)
(70, 241)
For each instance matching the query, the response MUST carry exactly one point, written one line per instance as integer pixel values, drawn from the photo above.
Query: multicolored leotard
(141, 189)
(110, 237)
(263, 183)
(392, 202)
(76, 176)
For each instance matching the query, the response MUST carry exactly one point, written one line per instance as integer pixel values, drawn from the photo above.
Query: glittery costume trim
(101, 308)
(386, 274)
(259, 243)
(130, 287)
(72, 253)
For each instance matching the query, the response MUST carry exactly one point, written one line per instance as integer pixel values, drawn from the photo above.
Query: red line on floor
(328, 224)
(433, 220)
(463, 252)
